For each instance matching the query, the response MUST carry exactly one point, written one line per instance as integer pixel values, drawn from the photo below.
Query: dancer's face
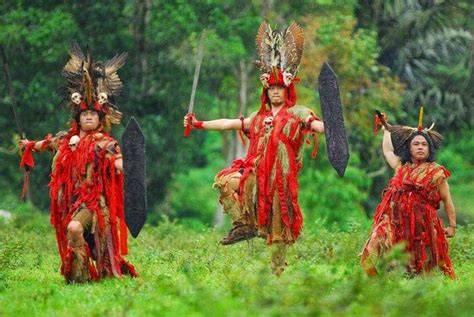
(276, 95)
(419, 149)
(89, 120)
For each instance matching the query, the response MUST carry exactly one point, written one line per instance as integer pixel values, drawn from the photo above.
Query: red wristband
(378, 122)
(47, 140)
(310, 120)
(198, 124)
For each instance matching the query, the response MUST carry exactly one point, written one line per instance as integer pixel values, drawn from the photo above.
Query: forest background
(389, 55)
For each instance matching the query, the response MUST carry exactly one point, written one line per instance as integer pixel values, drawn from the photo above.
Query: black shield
(134, 172)
(331, 107)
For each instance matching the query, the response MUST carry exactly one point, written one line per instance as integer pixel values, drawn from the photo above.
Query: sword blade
(197, 70)
(8, 80)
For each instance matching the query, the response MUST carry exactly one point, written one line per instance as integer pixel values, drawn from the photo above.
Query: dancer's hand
(450, 231)
(186, 119)
(21, 144)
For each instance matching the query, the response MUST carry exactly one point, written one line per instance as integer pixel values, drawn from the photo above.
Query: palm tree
(427, 44)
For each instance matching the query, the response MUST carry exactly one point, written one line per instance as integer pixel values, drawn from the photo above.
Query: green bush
(325, 195)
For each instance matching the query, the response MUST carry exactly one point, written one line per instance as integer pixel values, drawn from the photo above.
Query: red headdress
(276, 79)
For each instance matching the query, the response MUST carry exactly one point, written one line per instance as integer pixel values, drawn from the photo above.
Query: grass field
(186, 273)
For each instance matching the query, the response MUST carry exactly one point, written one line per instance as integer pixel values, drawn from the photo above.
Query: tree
(430, 46)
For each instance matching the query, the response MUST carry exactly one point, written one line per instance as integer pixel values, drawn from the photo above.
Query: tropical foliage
(389, 55)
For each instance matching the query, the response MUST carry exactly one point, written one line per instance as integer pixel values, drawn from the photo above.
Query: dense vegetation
(379, 63)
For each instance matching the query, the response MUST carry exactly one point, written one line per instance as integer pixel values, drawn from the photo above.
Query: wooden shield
(134, 172)
(331, 107)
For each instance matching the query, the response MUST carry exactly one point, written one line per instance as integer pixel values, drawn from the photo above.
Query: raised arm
(219, 124)
(37, 146)
(388, 151)
(450, 231)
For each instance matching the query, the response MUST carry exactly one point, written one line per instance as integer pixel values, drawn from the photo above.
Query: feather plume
(263, 42)
(77, 58)
(400, 135)
(436, 137)
(280, 50)
(294, 45)
(110, 82)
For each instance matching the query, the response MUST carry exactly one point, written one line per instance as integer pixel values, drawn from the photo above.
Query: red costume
(407, 214)
(86, 178)
(86, 188)
(268, 188)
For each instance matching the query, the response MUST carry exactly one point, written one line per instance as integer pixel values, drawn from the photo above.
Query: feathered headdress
(279, 51)
(401, 134)
(93, 85)
(279, 55)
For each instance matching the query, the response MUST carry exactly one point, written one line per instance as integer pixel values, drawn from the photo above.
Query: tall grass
(186, 273)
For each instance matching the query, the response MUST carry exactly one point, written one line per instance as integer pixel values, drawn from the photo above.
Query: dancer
(86, 187)
(407, 212)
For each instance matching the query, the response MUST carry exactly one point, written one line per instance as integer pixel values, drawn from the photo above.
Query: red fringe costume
(407, 213)
(86, 189)
(86, 179)
(268, 188)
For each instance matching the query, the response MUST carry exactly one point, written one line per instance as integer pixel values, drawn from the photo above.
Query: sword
(6, 73)
(197, 69)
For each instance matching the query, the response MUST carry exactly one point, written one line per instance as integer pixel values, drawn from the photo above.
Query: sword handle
(187, 129)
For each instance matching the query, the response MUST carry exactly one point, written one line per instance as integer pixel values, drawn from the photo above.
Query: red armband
(198, 124)
(243, 131)
(47, 141)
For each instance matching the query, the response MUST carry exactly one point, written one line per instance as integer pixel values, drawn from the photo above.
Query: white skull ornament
(73, 141)
(76, 98)
(287, 78)
(103, 98)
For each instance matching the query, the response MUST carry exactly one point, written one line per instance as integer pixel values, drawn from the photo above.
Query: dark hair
(77, 115)
(405, 154)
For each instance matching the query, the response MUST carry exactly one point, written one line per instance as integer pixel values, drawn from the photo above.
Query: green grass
(186, 273)
(462, 197)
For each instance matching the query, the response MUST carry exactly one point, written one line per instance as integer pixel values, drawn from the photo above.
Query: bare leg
(80, 266)
(242, 226)
(278, 258)
(75, 232)
(228, 186)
